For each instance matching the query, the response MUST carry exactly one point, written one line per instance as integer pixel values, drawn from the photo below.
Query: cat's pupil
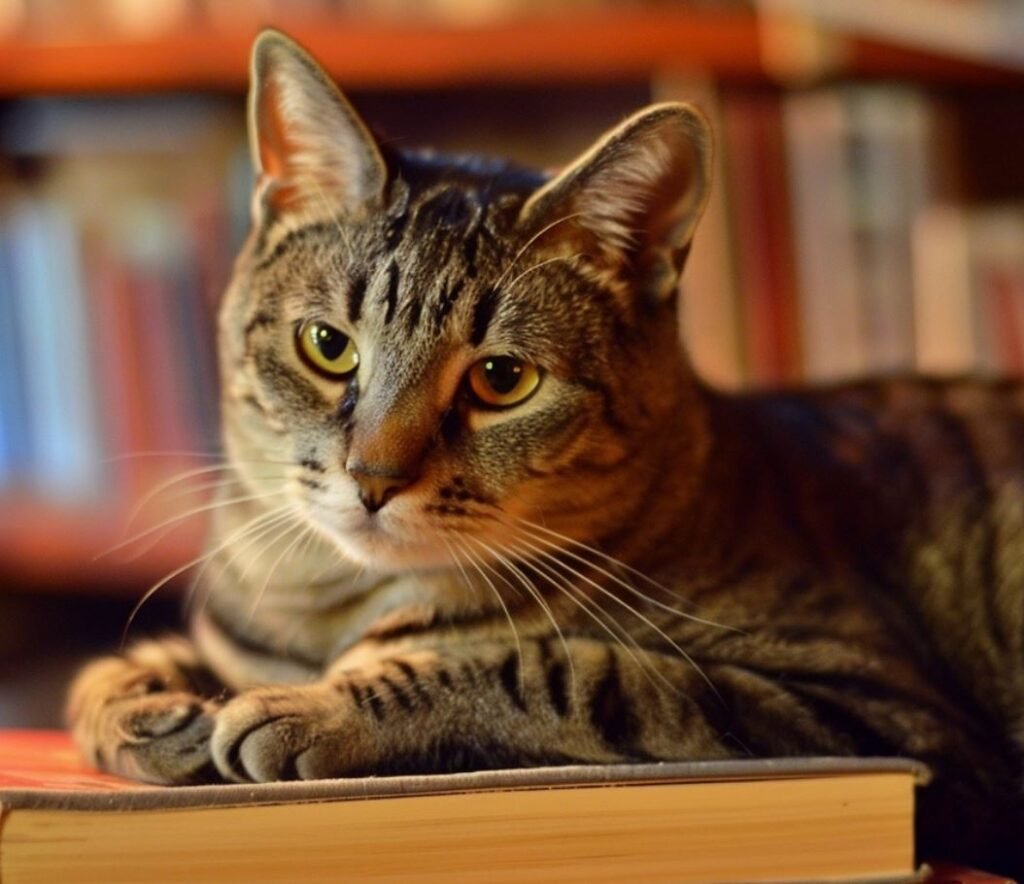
(329, 341)
(503, 374)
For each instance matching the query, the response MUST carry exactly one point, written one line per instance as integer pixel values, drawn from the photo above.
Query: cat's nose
(376, 486)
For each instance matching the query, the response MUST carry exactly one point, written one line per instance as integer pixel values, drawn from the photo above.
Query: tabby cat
(479, 511)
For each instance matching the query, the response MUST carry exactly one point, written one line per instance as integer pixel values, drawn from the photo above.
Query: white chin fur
(368, 542)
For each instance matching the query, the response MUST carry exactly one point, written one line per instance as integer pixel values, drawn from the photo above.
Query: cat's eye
(326, 350)
(503, 381)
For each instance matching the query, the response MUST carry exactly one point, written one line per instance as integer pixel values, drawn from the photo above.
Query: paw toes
(166, 745)
(250, 747)
(267, 736)
(148, 722)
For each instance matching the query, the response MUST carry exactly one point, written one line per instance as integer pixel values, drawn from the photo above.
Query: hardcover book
(769, 820)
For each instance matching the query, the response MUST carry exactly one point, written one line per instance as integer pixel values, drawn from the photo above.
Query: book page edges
(569, 777)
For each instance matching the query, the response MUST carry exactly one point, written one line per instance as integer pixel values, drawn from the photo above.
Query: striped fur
(629, 566)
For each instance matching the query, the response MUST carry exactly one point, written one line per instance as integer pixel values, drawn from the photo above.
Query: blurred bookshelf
(868, 213)
(594, 45)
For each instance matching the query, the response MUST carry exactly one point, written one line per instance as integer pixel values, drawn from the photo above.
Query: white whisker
(632, 589)
(195, 511)
(530, 242)
(638, 614)
(256, 525)
(149, 593)
(581, 600)
(508, 614)
(544, 263)
(535, 593)
(277, 562)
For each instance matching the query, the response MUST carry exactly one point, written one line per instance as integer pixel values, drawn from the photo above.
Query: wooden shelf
(597, 46)
(61, 549)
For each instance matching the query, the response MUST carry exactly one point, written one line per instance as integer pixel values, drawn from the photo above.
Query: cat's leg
(147, 713)
(483, 705)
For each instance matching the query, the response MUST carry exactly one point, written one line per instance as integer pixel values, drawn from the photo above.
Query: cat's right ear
(311, 151)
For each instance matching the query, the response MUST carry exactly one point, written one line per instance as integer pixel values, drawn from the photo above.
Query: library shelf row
(596, 46)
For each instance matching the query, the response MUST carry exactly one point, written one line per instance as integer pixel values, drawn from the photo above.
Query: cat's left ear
(310, 149)
(631, 203)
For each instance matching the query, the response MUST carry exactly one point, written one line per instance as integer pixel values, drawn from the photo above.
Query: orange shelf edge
(604, 45)
(373, 54)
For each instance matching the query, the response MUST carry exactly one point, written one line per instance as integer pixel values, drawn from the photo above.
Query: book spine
(944, 315)
(831, 305)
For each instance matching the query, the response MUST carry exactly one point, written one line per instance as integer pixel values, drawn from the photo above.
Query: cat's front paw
(301, 732)
(127, 722)
(165, 738)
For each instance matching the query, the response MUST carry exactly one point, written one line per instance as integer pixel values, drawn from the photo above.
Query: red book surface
(49, 760)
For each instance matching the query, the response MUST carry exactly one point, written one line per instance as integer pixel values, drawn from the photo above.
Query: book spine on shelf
(832, 316)
(888, 176)
(58, 373)
(758, 185)
(944, 316)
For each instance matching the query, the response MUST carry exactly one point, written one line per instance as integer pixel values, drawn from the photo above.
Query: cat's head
(427, 349)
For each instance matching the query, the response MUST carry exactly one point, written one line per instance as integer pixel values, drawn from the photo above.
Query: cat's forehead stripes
(440, 262)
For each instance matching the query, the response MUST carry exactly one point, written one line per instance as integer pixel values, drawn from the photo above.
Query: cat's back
(919, 484)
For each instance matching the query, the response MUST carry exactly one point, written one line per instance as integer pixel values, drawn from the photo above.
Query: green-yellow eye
(502, 381)
(325, 349)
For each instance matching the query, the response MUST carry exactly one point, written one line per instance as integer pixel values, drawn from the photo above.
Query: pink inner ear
(275, 148)
(272, 140)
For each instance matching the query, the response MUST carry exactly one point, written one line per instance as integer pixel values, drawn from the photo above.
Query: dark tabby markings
(348, 401)
(445, 678)
(412, 677)
(450, 424)
(453, 207)
(355, 298)
(391, 294)
(610, 712)
(313, 464)
(357, 695)
(980, 516)
(557, 690)
(261, 319)
(483, 313)
(413, 313)
(289, 383)
(462, 495)
(468, 671)
(835, 716)
(470, 245)
(400, 696)
(310, 483)
(253, 403)
(445, 509)
(292, 238)
(607, 400)
(508, 673)
(376, 705)
(394, 231)
(446, 302)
